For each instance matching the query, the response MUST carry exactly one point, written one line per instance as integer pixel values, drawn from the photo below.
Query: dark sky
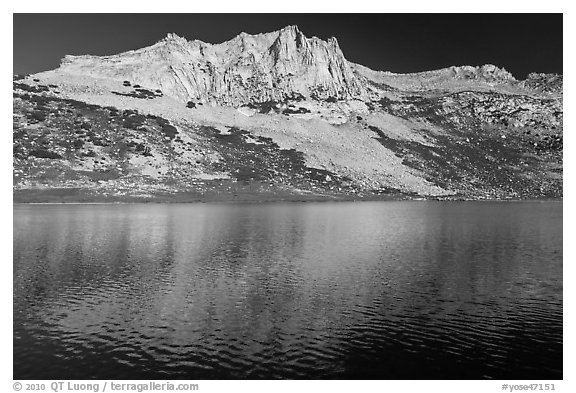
(521, 43)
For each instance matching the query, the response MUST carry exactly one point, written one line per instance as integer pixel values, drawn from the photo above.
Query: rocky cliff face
(282, 64)
(248, 68)
(280, 115)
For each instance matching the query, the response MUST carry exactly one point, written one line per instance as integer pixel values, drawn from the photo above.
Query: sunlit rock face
(248, 68)
(487, 72)
(282, 64)
(544, 83)
(288, 113)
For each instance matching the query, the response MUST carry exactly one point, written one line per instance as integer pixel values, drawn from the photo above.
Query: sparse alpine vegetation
(191, 121)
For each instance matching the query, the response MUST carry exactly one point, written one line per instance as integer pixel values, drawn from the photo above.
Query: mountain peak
(488, 72)
(291, 28)
(173, 37)
(333, 41)
(380, 131)
(291, 33)
(247, 68)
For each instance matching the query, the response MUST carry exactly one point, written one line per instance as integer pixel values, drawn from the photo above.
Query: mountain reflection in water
(371, 290)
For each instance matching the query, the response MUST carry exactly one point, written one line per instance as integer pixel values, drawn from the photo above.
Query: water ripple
(386, 291)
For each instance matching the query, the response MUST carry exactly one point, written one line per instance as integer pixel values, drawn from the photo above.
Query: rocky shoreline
(76, 196)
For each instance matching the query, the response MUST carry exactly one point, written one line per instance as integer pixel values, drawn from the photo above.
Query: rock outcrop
(280, 115)
(248, 68)
(544, 83)
(487, 73)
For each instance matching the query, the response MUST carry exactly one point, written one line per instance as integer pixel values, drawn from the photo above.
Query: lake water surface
(370, 290)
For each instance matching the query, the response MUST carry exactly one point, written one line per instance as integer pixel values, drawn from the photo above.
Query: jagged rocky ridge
(280, 115)
(245, 69)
